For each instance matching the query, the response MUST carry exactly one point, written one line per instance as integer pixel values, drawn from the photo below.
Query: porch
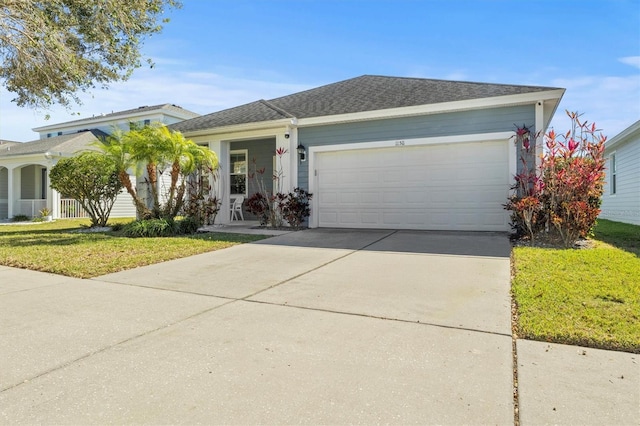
(24, 190)
(258, 161)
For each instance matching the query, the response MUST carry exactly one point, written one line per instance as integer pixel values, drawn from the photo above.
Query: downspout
(539, 133)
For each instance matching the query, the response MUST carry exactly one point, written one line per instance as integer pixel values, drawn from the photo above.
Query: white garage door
(460, 186)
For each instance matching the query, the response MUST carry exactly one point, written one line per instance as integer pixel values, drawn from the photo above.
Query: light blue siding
(449, 124)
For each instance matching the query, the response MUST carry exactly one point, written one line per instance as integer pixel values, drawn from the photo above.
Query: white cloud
(613, 103)
(634, 61)
(200, 92)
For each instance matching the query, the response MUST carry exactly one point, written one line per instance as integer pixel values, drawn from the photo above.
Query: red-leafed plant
(273, 209)
(258, 205)
(563, 197)
(573, 171)
(525, 201)
(295, 206)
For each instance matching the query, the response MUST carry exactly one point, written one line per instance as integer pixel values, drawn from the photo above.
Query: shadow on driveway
(483, 244)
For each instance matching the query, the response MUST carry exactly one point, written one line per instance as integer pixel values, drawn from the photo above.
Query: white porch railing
(31, 208)
(71, 209)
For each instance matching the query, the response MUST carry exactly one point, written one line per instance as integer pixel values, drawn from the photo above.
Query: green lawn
(57, 247)
(589, 297)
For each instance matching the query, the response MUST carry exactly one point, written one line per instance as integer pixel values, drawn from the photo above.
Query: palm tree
(156, 148)
(182, 157)
(116, 147)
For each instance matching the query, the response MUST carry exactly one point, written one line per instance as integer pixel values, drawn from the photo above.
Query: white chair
(236, 208)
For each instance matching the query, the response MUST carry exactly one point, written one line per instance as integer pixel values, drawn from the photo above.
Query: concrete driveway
(318, 326)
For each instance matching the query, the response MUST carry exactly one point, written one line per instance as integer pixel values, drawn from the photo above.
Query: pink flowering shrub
(563, 196)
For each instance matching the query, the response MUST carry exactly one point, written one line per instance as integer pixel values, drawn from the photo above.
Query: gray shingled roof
(142, 109)
(365, 93)
(67, 144)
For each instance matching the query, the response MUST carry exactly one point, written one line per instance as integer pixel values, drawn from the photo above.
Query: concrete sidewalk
(319, 326)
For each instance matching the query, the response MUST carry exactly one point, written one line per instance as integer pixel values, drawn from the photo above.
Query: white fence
(71, 209)
(31, 208)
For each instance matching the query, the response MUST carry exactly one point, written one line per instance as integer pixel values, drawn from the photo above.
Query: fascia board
(498, 101)
(262, 125)
(23, 159)
(626, 134)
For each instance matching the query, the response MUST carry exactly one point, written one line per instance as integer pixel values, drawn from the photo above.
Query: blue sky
(216, 54)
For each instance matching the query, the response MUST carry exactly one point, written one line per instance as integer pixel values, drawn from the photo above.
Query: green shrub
(20, 218)
(188, 225)
(117, 227)
(149, 228)
(91, 179)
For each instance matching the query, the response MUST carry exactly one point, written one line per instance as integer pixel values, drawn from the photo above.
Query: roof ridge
(486, 83)
(276, 109)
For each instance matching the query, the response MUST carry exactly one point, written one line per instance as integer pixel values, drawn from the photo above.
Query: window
(612, 170)
(147, 122)
(59, 133)
(238, 172)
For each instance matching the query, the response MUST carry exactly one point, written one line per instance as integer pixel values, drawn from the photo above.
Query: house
(143, 115)
(621, 197)
(383, 152)
(24, 167)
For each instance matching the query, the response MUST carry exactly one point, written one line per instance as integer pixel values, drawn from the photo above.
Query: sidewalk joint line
(355, 314)
(111, 346)
(318, 267)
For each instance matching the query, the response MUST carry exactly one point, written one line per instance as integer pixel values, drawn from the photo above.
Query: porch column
(53, 198)
(221, 185)
(10, 196)
(287, 169)
(293, 149)
(55, 204)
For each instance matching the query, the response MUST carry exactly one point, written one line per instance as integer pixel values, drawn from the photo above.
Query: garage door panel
(391, 177)
(328, 198)
(369, 198)
(443, 187)
(370, 218)
(349, 199)
(369, 176)
(328, 216)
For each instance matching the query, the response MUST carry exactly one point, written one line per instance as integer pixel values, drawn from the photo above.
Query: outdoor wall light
(301, 152)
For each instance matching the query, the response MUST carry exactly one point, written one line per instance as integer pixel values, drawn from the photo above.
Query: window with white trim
(613, 173)
(238, 167)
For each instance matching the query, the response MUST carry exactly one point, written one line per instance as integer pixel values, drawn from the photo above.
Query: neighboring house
(383, 152)
(166, 113)
(24, 167)
(621, 198)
